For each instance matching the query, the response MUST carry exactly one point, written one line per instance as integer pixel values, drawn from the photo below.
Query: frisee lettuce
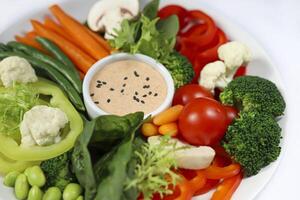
(154, 170)
(14, 102)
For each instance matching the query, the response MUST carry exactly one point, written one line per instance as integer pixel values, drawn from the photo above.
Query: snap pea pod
(69, 72)
(53, 74)
(55, 50)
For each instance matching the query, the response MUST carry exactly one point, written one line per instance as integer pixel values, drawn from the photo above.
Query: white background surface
(276, 25)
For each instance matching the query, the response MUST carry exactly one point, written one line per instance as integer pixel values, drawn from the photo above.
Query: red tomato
(231, 113)
(203, 121)
(186, 93)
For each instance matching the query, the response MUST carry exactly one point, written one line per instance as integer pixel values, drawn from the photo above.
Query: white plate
(261, 66)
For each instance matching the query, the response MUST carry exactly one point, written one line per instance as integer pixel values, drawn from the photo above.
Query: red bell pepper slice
(214, 172)
(227, 187)
(209, 185)
(199, 17)
(183, 191)
(240, 72)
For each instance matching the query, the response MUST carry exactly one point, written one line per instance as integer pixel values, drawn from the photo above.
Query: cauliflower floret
(213, 75)
(16, 69)
(234, 54)
(186, 155)
(41, 125)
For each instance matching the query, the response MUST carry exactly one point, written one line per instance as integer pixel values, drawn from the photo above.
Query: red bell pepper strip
(183, 191)
(199, 17)
(209, 185)
(227, 187)
(240, 72)
(214, 172)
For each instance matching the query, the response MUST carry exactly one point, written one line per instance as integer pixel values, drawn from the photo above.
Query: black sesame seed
(122, 91)
(108, 101)
(104, 83)
(111, 89)
(134, 97)
(96, 102)
(98, 81)
(137, 100)
(136, 93)
(124, 85)
(150, 93)
(125, 78)
(143, 102)
(136, 74)
(98, 85)
(155, 94)
(144, 95)
(145, 86)
(147, 79)
(92, 94)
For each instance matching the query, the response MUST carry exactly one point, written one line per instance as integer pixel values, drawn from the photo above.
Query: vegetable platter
(130, 99)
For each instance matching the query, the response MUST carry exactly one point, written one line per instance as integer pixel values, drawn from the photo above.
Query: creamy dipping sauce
(128, 86)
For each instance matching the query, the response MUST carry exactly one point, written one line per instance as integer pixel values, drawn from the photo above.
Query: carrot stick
(80, 58)
(168, 129)
(52, 25)
(77, 31)
(168, 116)
(99, 39)
(30, 42)
(31, 35)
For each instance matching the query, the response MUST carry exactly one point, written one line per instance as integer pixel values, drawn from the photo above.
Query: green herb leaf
(151, 9)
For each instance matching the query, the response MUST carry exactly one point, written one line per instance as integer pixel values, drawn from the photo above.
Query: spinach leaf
(112, 168)
(81, 161)
(169, 27)
(151, 9)
(110, 129)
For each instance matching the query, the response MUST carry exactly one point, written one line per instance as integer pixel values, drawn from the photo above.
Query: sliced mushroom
(107, 15)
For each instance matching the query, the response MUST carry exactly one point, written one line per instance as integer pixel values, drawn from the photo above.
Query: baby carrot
(79, 33)
(149, 129)
(168, 129)
(80, 58)
(168, 116)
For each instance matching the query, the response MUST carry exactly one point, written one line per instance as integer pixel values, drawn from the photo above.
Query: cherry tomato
(203, 121)
(186, 93)
(231, 113)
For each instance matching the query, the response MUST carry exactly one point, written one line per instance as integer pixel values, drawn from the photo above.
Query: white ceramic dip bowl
(95, 111)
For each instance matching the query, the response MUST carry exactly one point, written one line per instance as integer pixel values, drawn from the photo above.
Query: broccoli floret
(58, 171)
(252, 93)
(253, 141)
(180, 68)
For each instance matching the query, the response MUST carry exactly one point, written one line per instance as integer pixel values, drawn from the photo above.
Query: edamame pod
(35, 193)
(10, 178)
(53, 74)
(69, 72)
(21, 187)
(53, 193)
(36, 176)
(55, 50)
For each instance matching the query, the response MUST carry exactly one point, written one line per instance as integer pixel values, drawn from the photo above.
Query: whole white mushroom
(107, 15)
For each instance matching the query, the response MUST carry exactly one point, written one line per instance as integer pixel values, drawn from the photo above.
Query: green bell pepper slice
(12, 150)
(7, 165)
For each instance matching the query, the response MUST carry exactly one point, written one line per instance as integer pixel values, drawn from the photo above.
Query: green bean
(10, 178)
(72, 191)
(53, 193)
(55, 50)
(80, 198)
(36, 176)
(53, 74)
(35, 193)
(21, 187)
(70, 73)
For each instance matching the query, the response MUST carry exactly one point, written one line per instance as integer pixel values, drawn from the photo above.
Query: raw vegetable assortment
(222, 125)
